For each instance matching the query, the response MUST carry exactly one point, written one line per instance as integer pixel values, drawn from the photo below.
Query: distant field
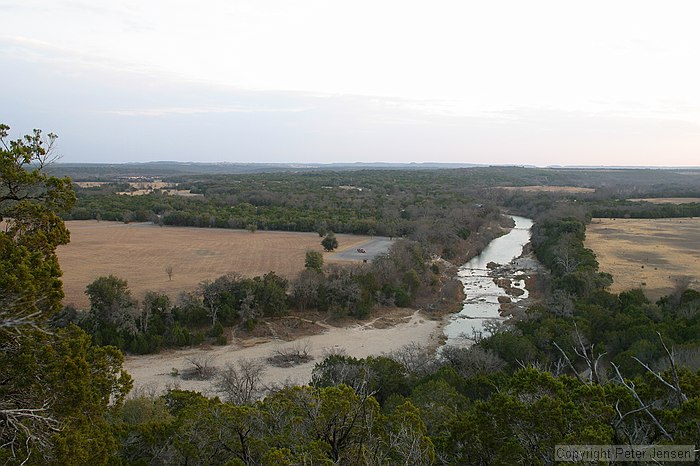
(647, 253)
(550, 189)
(172, 192)
(668, 200)
(140, 253)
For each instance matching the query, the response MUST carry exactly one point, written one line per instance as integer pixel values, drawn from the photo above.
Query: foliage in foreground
(56, 388)
(401, 416)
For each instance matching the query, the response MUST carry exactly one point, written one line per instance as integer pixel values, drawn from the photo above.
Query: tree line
(384, 203)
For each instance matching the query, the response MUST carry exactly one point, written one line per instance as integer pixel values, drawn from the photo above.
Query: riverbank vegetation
(582, 366)
(234, 304)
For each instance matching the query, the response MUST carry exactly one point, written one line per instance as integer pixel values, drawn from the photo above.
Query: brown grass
(549, 189)
(647, 254)
(140, 254)
(668, 200)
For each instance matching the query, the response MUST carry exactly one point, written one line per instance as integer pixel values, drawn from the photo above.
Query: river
(481, 293)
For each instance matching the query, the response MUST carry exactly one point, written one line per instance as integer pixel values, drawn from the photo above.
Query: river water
(481, 293)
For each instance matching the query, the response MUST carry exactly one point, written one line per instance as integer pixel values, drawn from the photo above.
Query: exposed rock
(506, 307)
(502, 282)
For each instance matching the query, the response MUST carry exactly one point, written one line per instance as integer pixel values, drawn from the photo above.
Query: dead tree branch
(643, 407)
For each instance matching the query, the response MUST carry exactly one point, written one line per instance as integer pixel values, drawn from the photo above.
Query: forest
(581, 366)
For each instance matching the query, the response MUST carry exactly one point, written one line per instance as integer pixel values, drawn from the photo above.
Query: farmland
(652, 254)
(549, 189)
(141, 252)
(668, 200)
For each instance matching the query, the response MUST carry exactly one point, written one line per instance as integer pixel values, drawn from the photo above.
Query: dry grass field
(549, 189)
(140, 254)
(648, 253)
(668, 200)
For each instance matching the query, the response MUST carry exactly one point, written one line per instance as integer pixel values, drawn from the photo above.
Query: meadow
(668, 200)
(653, 254)
(141, 252)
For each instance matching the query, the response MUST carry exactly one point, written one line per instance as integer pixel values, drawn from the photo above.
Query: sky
(613, 83)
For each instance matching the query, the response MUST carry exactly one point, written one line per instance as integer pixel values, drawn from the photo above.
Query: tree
(330, 242)
(222, 296)
(307, 289)
(155, 315)
(270, 294)
(241, 383)
(113, 312)
(30, 204)
(56, 388)
(314, 261)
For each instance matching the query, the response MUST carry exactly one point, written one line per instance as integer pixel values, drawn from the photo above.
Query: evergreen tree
(330, 242)
(55, 387)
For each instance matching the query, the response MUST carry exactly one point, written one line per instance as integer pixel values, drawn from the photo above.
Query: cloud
(158, 112)
(64, 59)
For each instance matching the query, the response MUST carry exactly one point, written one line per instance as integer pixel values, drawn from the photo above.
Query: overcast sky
(502, 82)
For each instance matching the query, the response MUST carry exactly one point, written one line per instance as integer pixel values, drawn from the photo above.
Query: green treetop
(56, 387)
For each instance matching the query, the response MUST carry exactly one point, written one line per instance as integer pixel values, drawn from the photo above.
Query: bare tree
(14, 317)
(417, 359)
(565, 258)
(637, 431)
(210, 300)
(298, 353)
(675, 385)
(560, 303)
(35, 424)
(305, 289)
(468, 362)
(248, 309)
(586, 352)
(333, 351)
(211, 293)
(202, 368)
(643, 407)
(241, 383)
(680, 284)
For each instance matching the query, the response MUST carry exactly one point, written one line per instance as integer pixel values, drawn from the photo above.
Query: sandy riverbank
(153, 372)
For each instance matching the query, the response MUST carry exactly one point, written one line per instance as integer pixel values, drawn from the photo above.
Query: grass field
(140, 254)
(549, 189)
(647, 253)
(668, 200)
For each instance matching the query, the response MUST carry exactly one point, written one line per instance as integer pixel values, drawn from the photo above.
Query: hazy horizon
(539, 83)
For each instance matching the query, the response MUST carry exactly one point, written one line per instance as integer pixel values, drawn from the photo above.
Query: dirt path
(360, 340)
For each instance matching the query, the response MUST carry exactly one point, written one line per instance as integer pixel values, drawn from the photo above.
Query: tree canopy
(56, 387)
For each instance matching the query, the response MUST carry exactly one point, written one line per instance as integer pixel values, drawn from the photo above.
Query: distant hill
(86, 171)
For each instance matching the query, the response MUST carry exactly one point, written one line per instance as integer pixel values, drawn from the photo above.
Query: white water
(481, 302)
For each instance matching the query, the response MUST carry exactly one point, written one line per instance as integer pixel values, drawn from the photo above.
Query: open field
(647, 253)
(549, 189)
(172, 192)
(140, 253)
(668, 200)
